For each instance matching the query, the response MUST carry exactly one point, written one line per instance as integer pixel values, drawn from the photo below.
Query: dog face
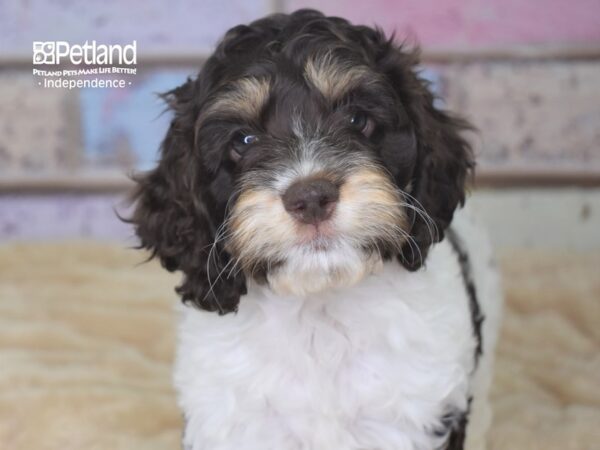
(306, 152)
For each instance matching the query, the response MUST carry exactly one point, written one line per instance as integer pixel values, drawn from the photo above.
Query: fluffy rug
(86, 342)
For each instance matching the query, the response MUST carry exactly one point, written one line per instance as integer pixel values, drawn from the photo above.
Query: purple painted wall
(37, 217)
(157, 25)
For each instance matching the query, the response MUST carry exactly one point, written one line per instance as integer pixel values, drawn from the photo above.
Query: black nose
(311, 200)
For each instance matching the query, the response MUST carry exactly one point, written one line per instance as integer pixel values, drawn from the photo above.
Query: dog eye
(242, 142)
(363, 123)
(248, 139)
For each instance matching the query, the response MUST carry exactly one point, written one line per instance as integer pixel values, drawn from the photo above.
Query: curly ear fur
(444, 160)
(173, 214)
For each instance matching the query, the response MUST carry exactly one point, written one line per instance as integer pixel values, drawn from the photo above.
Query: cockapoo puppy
(306, 190)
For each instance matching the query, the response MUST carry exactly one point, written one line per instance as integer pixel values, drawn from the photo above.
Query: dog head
(305, 153)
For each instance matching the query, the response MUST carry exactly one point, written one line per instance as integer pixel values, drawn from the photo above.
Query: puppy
(305, 191)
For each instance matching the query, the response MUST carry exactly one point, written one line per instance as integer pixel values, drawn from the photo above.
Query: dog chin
(317, 267)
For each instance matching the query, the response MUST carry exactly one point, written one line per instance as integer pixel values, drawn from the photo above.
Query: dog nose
(311, 200)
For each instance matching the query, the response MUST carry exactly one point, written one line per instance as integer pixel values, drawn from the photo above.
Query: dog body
(390, 363)
(304, 190)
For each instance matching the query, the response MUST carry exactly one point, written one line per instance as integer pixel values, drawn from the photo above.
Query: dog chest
(375, 365)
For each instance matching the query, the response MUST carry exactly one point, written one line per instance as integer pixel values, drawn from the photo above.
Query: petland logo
(89, 53)
(58, 64)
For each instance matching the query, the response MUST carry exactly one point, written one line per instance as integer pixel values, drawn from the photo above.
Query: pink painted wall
(473, 23)
(185, 26)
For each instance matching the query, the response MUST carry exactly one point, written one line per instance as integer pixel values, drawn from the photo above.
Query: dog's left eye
(362, 122)
(242, 142)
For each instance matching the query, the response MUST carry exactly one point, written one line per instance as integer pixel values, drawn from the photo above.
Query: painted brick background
(124, 127)
(529, 114)
(179, 26)
(536, 115)
(473, 23)
(48, 130)
(188, 26)
(532, 114)
(63, 216)
(39, 129)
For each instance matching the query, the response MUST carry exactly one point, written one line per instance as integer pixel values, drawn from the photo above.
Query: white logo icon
(44, 52)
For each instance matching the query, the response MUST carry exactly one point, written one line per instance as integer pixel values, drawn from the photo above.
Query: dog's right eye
(241, 143)
(363, 123)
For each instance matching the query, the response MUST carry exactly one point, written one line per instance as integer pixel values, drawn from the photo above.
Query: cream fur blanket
(86, 342)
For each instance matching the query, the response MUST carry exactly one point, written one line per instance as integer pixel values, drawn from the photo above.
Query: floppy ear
(444, 157)
(172, 215)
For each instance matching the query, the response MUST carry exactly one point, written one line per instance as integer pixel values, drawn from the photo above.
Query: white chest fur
(371, 367)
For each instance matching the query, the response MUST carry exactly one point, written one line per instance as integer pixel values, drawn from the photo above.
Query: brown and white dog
(304, 190)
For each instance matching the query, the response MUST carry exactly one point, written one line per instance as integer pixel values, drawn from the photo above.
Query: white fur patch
(367, 367)
(308, 271)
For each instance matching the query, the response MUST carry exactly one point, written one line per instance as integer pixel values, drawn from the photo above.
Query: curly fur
(335, 342)
(182, 203)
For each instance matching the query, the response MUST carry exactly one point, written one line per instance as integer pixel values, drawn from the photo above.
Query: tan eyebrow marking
(246, 98)
(333, 78)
